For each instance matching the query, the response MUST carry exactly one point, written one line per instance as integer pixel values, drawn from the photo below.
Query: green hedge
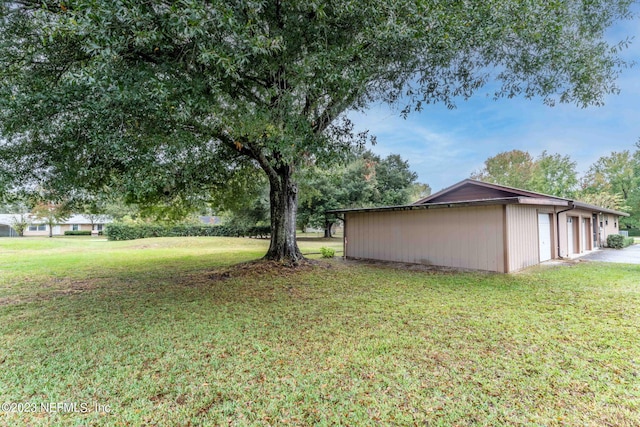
(77, 233)
(140, 231)
(617, 241)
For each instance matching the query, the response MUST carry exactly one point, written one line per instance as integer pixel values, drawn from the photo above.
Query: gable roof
(469, 189)
(471, 192)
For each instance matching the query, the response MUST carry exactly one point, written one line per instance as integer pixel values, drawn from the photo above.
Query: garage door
(544, 239)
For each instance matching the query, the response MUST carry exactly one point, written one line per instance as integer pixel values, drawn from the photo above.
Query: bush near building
(617, 241)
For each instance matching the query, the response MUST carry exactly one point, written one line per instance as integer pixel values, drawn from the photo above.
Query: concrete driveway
(629, 255)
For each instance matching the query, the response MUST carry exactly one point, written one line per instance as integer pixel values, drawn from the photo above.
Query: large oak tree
(174, 100)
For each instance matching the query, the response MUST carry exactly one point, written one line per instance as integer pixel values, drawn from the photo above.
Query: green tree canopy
(554, 174)
(172, 100)
(613, 174)
(511, 168)
(551, 174)
(615, 179)
(368, 180)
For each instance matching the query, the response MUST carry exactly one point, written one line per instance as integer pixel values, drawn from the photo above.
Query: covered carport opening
(7, 231)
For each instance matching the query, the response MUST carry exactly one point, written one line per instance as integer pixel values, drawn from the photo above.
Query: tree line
(612, 181)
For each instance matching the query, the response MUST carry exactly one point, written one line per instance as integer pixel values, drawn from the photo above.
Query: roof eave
(485, 202)
(542, 201)
(599, 209)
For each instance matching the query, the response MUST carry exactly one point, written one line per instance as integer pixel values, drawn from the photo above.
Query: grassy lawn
(159, 331)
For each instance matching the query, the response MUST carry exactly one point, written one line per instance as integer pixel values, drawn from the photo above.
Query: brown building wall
(469, 237)
(582, 242)
(611, 225)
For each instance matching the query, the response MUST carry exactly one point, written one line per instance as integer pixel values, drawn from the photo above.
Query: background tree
(613, 174)
(168, 102)
(615, 179)
(555, 175)
(551, 174)
(255, 212)
(368, 180)
(51, 214)
(394, 180)
(419, 191)
(511, 168)
(20, 223)
(634, 196)
(320, 191)
(606, 200)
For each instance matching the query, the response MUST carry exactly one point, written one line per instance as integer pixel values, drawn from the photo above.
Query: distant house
(38, 228)
(481, 226)
(211, 220)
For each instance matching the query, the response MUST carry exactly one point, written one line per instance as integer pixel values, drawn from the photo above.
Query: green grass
(156, 330)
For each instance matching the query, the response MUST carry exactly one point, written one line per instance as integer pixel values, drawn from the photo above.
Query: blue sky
(445, 146)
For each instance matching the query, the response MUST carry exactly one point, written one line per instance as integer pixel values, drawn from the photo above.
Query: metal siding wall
(611, 227)
(468, 237)
(522, 223)
(563, 237)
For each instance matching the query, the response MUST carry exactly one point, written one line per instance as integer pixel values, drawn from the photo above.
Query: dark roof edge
(502, 201)
(524, 194)
(486, 202)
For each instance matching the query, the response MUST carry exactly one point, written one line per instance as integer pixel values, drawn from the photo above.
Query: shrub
(327, 252)
(77, 233)
(618, 241)
(119, 231)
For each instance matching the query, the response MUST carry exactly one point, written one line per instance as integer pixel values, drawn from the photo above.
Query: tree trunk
(327, 229)
(283, 196)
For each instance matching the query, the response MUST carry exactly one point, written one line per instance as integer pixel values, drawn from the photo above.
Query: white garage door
(544, 232)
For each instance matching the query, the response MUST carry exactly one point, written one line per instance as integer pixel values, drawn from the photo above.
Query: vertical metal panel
(588, 233)
(469, 237)
(562, 234)
(522, 224)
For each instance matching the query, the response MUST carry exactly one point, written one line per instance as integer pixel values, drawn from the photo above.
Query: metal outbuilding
(480, 226)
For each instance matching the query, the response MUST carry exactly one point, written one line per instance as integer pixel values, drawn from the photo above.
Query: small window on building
(38, 227)
(99, 227)
(75, 227)
(606, 222)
